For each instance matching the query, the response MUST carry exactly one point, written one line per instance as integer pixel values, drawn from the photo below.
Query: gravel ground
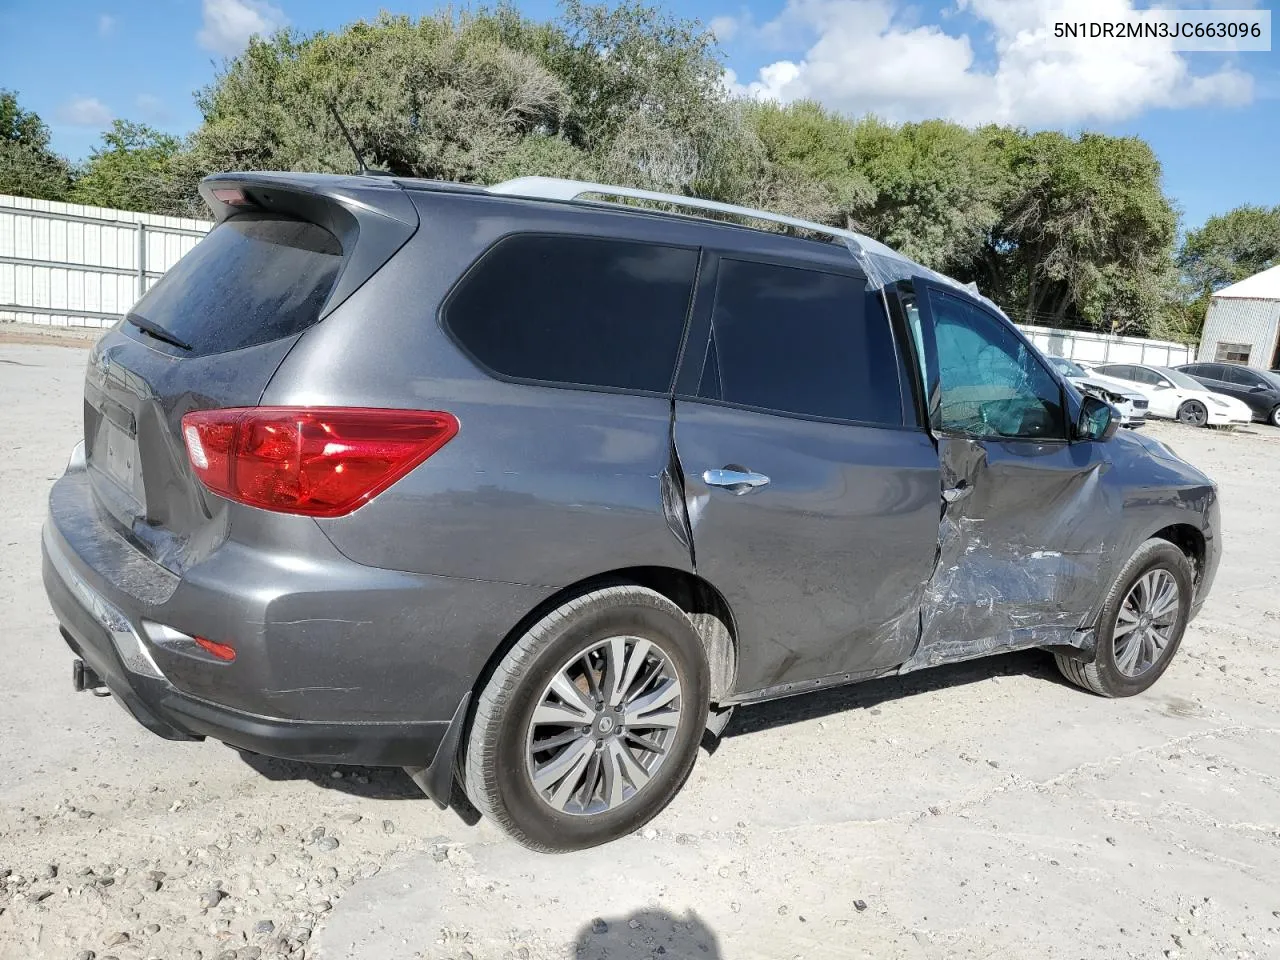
(968, 812)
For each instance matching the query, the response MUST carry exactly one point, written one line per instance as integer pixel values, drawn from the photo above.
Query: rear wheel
(1274, 419)
(1141, 625)
(591, 722)
(1193, 413)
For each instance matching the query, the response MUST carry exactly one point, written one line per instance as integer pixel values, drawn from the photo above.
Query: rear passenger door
(811, 489)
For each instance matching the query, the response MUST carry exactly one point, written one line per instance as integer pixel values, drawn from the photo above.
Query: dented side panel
(823, 566)
(1022, 550)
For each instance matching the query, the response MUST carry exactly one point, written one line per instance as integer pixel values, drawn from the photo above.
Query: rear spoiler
(372, 218)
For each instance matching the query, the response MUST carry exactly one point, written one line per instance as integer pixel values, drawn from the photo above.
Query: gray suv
(524, 491)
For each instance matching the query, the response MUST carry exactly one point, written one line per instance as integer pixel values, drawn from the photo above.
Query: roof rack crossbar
(553, 188)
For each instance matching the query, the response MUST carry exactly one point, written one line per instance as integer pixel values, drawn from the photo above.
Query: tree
(439, 97)
(1230, 247)
(937, 193)
(1086, 228)
(139, 168)
(28, 168)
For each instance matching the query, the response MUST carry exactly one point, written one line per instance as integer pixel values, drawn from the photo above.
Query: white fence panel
(65, 264)
(1091, 346)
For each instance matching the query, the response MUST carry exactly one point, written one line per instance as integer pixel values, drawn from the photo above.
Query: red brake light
(318, 461)
(232, 196)
(222, 651)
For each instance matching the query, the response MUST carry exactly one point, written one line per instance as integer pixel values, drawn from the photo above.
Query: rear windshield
(250, 281)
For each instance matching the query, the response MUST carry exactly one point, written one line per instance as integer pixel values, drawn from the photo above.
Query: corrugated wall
(65, 264)
(1104, 347)
(1238, 320)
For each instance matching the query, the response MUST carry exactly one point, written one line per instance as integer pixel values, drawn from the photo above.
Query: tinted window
(576, 310)
(1241, 376)
(1120, 371)
(251, 280)
(799, 341)
(992, 383)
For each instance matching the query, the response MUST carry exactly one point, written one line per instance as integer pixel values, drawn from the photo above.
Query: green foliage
(138, 168)
(1060, 230)
(1231, 246)
(28, 168)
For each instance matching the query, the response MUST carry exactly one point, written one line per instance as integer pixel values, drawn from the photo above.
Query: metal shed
(1243, 323)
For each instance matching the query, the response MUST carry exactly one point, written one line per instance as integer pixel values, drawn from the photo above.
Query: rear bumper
(109, 646)
(336, 662)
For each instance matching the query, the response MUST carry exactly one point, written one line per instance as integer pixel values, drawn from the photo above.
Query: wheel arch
(1190, 540)
(705, 606)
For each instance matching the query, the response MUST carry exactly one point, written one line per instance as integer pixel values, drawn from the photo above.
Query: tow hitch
(83, 677)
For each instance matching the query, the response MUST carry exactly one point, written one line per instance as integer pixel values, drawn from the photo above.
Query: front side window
(991, 383)
(799, 341)
(576, 311)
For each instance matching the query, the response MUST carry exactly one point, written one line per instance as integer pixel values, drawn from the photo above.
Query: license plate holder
(119, 456)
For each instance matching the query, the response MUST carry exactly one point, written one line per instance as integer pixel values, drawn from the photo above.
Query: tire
(501, 760)
(1274, 418)
(1194, 414)
(1107, 675)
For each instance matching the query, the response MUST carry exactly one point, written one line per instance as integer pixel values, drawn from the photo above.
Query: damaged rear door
(1025, 515)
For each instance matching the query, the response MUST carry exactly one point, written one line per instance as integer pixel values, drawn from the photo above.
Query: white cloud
(862, 57)
(106, 25)
(724, 28)
(228, 24)
(84, 112)
(153, 109)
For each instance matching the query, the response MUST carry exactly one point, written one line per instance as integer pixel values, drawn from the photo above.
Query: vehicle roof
(882, 264)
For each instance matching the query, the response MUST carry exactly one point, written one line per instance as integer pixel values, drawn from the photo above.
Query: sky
(1212, 118)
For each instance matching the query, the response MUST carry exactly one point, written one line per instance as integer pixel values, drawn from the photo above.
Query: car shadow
(644, 935)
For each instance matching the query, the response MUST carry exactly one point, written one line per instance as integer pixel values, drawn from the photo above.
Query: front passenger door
(1026, 517)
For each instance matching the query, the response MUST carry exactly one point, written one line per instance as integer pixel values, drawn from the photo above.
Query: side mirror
(1098, 420)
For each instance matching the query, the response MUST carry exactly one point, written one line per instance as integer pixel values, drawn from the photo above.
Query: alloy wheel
(603, 726)
(1145, 622)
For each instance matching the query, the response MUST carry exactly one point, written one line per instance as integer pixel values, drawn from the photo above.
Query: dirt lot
(980, 811)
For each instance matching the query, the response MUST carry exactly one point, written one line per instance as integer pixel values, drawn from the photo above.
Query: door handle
(736, 482)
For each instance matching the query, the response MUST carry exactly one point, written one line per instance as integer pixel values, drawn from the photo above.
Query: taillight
(318, 461)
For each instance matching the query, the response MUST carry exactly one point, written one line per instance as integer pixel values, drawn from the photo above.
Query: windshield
(1181, 379)
(1068, 367)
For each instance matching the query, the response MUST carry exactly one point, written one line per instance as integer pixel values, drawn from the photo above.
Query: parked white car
(1176, 396)
(1125, 397)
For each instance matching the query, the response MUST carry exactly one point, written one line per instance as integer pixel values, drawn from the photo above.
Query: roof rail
(881, 262)
(553, 188)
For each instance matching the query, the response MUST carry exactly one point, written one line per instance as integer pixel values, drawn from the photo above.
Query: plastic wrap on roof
(884, 267)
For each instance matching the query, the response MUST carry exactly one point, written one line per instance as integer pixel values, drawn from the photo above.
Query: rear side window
(577, 311)
(250, 281)
(799, 341)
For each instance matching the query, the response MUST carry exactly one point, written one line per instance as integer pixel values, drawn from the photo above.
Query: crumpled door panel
(1021, 549)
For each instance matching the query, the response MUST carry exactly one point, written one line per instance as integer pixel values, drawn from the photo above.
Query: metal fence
(1104, 347)
(69, 265)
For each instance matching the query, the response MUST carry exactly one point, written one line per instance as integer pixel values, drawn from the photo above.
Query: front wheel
(591, 722)
(1141, 625)
(1193, 413)
(1274, 419)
